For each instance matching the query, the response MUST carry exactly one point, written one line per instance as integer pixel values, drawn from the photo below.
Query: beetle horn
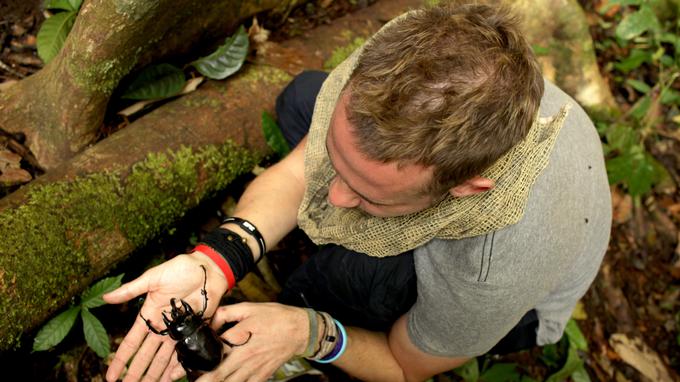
(167, 320)
(187, 307)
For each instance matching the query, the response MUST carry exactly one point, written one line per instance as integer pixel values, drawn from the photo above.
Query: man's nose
(340, 195)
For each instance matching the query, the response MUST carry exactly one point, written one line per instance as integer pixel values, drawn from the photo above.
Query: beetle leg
(153, 330)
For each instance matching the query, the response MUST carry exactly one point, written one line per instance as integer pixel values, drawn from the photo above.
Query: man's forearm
(272, 199)
(369, 358)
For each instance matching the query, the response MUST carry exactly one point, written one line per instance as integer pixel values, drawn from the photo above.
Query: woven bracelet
(340, 345)
(251, 230)
(313, 333)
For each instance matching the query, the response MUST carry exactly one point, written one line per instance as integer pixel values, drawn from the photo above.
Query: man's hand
(266, 336)
(180, 278)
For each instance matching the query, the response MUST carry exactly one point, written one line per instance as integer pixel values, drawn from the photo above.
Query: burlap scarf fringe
(453, 218)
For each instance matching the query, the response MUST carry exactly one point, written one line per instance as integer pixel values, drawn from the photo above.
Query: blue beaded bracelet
(340, 346)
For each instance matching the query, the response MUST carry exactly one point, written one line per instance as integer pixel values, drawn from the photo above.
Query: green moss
(199, 101)
(49, 241)
(341, 53)
(268, 74)
(101, 77)
(431, 3)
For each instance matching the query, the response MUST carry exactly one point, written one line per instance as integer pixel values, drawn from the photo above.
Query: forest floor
(637, 292)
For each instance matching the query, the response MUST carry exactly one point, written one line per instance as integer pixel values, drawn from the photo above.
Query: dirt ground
(636, 292)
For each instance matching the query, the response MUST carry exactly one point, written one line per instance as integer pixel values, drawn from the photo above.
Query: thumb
(129, 290)
(230, 313)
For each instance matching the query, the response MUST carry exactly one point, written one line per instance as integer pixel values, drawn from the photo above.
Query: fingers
(143, 358)
(127, 349)
(230, 313)
(160, 361)
(129, 290)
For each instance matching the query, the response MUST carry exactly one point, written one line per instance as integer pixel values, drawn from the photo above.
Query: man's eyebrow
(347, 184)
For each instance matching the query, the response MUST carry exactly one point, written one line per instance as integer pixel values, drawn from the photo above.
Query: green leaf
(540, 50)
(636, 58)
(575, 336)
(637, 23)
(636, 169)
(501, 372)
(95, 334)
(469, 371)
(55, 330)
(550, 355)
(273, 135)
(66, 5)
(621, 137)
(667, 60)
(639, 85)
(572, 363)
(156, 82)
(227, 59)
(92, 297)
(641, 107)
(52, 34)
(670, 96)
(580, 375)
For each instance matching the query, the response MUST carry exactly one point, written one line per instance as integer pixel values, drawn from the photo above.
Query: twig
(22, 150)
(11, 71)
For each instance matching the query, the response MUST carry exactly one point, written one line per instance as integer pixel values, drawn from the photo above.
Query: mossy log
(61, 107)
(69, 226)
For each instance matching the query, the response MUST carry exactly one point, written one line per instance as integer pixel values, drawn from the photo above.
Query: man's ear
(472, 186)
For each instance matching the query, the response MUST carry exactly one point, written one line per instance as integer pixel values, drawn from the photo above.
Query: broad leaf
(501, 372)
(156, 82)
(621, 137)
(639, 85)
(636, 169)
(53, 33)
(66, 5)
(580, 375)
(273, 135)
(641, 107)
(576, 337)
(92, 297)
(227, 59)
(637, 23)
(95, 334)
(572, 363)
(55, 330)
(670, 96)
(469, 371)
(636, 58)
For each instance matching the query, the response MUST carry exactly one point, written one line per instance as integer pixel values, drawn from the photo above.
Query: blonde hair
(453, 87)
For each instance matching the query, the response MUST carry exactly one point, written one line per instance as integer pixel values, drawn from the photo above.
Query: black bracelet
(252, 231)
(233, 248)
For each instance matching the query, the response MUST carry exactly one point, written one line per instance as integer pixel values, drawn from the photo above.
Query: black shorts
(357, 289)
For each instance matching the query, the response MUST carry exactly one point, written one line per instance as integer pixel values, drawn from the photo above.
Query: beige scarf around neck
(453, 218)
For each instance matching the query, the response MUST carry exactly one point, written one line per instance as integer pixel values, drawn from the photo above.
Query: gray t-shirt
(472, 292)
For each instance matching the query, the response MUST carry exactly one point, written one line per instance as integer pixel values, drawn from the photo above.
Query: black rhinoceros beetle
(199, 347)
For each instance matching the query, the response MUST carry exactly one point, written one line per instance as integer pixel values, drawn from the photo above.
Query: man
(465, 211)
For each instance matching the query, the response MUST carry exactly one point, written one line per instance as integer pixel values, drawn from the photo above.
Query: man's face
(379, 189)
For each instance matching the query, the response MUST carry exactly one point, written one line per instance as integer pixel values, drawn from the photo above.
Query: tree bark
(71, 225)
(61, 107)
(560, 26)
